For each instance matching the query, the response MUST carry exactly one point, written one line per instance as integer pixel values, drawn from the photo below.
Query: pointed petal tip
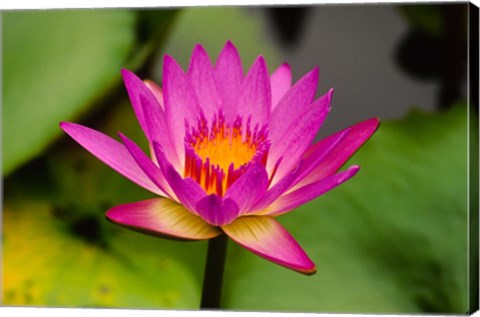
(316, 72)
(353, 169)
(307, 268)
(376, 121)
(112, 215)
(229, 57)
(71, 128)
(309, 271)
(167, 60)
(260, 59)
(200, 68)
(229, 45)
(329, 98)
(287, 66)
(128, 74)
(259, 62)
(197, 46)
(122, 136)
(198, 49)
(310, 79)
(325, 100)
(259, 67)
(369, 126)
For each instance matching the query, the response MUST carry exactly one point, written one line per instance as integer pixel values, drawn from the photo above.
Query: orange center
(217, 156)
(225, 148)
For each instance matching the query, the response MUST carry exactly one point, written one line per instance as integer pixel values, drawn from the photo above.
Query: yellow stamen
(223, 150)
(218, 155)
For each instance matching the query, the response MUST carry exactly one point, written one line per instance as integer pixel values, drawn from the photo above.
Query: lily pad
(56, 63)
(391, 240)
(52, 263)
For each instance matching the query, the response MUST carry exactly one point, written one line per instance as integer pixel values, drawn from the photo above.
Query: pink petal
(298, 135)
(314, 158)
(265, 237)
(112, 153)
(292, 106)
(276, 191)
(187, 190)
(281, 81)
(156, 91)
(202, 77)
(181, 105)
(254, 99)
(162, 217)
(217, 211)
(356, 137)
(150, 114)
(297, 198)
(229, 76)
(136, 88)
(157, 124)
(148, 167)
(249, 187)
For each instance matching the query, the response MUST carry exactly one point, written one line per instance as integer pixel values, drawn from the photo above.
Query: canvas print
(316, 158)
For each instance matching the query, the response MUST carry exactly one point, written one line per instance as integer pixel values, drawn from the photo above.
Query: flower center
(217, 155)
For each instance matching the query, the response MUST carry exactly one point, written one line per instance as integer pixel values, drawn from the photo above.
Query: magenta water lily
(229, 153)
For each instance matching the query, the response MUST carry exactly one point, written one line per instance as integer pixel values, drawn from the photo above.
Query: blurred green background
(394, 239)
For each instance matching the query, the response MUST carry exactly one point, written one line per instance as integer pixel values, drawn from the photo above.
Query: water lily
(229, 153)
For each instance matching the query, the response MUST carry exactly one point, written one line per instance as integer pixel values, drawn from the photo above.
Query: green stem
(213, 276)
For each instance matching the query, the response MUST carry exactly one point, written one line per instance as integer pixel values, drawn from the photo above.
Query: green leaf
(52, 261)
(56, 63)
(391, 240)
